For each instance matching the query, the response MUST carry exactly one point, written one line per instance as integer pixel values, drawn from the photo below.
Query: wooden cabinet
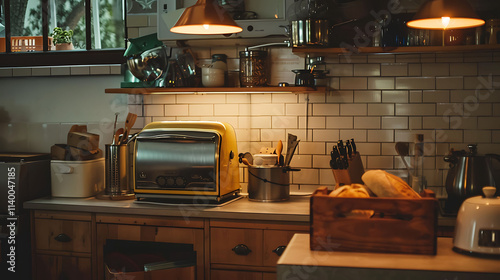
(71, 245)
(248, 250)
(62, 245)
(162, 229)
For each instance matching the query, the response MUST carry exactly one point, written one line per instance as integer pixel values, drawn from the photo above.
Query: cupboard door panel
(236, 246)
(50, 267)
(274, 241)
(217, 274)
(63, 235)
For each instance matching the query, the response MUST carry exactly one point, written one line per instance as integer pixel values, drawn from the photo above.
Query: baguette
(384, 184)
(354, 190)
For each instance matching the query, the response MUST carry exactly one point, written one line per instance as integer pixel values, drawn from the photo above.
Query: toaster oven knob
(161, 181)
(179, 181)
(170, 181)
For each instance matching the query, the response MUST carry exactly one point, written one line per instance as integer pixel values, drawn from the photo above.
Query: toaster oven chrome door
(182, 162)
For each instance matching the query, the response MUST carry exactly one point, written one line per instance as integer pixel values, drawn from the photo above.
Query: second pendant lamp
(445, 14)
(206, 17)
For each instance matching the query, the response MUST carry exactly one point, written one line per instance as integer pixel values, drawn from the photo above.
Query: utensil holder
(351, 175)
(116, 170)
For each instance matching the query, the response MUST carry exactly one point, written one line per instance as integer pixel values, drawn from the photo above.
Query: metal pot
(268, 184)
(469, 173)
(313, 32)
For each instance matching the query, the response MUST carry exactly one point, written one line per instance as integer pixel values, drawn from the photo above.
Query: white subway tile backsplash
(339, 122)
(366, 123)
(312, 122)
(176, 110)
(415, 83)
(272, 134)
(4, 72)
(200, 98)
(325, 135)
(478, 109)
(305, 176)
(368, 149)
(449, 136)
(380, 162)
(415, 109)
(394, 122)
(21, 72)
(260, 98)
(353, 109)
(463, 69)
(366, 69)
(303, 161)
(340, 69)
(284, 98)
(311, 148)
(436, 122)
(380, 109)
(434, 96)
(259, 122)
(353, 83)
(416, 96)
(381, 58)
(477, 136)
(449, 83)
(394, 69)
(201, 110)
(100, 70)
(238, 98)
(435, 69)
(414, 69)
(428, 58)
(358, 135)
(408, 58)
(353, 58)
(267, 109)
(340, 96)
(161, 98)
(395, 96)
(225, 109)
(415, 123)
(154, 110)
(60, 71)
(320, 161)
(367, 96)
(488, 123)
(382, 135)
(323, 109)
(490, 68)
(388, 149)
(284, 122)
(380, 82)
(449, 57)
(449, 109)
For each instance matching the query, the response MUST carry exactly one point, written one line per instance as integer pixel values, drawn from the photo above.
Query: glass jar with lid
(253, 68)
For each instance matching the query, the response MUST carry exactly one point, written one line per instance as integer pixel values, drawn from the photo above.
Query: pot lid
(488, 199)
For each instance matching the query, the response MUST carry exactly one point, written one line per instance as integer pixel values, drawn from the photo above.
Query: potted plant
(62, 38)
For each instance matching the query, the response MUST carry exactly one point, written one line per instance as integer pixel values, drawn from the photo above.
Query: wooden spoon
(116, 139)
(279, 150)
(129, 122)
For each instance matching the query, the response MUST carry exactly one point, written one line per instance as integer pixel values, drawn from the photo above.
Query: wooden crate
(399, 225)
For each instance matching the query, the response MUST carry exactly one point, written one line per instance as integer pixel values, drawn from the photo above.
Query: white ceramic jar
(212, 77)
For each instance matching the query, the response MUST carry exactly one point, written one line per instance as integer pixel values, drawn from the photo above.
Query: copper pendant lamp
(445, 14)
(205, 17)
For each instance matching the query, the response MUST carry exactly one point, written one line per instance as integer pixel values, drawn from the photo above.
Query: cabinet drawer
(275, 242)
(63, 235)
(216, 274)
(62, 267)
(236, 246)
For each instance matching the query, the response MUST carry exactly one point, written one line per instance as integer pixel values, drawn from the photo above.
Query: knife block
(351, 175)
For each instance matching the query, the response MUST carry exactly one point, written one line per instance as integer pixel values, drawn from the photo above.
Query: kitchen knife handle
(241, 250)
(279, 250)
(62, 238)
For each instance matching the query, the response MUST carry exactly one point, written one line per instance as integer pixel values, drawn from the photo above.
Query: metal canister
(268, 183)
(116, 170)
(253, 68)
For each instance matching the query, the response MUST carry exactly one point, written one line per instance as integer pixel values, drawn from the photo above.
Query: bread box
(399, 225)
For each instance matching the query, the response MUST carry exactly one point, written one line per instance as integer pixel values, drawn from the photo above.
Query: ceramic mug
(212, 77)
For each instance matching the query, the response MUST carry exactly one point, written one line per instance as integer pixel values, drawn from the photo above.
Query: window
(98, 26)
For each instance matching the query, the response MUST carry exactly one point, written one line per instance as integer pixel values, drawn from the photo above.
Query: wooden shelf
(190, 90)
(416, 49)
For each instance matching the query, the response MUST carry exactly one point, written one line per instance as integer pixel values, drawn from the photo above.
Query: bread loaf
(384, 184)
(354, 190)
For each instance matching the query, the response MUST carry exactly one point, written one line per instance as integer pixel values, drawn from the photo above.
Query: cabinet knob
(242, 250)
(279, 250)
(62, 238)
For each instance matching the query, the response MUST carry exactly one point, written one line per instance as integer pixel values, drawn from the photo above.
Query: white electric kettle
(477, 230)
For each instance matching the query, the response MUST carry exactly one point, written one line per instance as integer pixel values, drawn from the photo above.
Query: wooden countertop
(294, 210)
(299, 260)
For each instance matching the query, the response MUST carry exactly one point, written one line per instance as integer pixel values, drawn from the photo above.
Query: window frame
(60, 58)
